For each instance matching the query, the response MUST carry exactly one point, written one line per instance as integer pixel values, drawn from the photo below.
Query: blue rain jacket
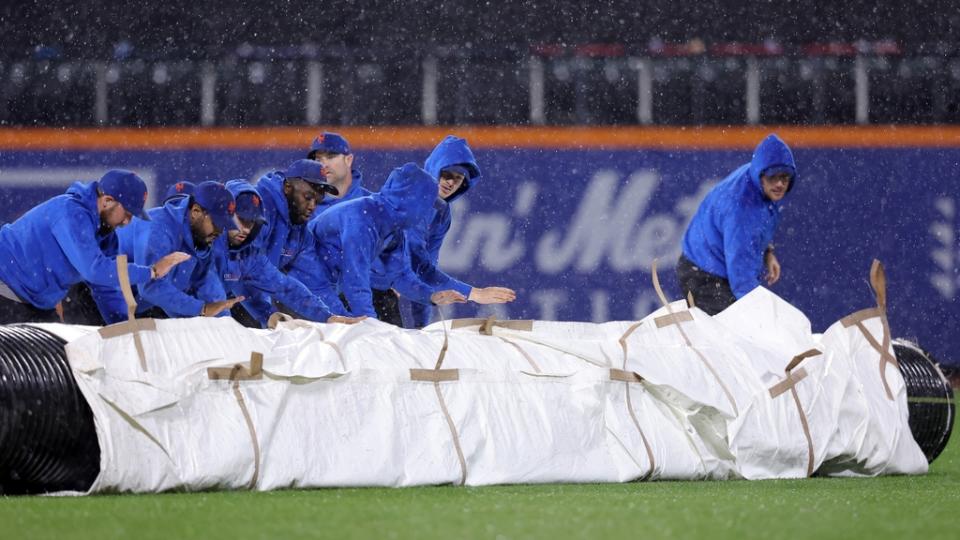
(353, 236)
(425, 243)
(245, 271)
(356, 190)
(736, 221)
(282, 241)
(56, 244)
(305, 268)
(192, 283)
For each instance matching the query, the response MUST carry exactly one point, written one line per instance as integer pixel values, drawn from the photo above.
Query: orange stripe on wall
(372, 138)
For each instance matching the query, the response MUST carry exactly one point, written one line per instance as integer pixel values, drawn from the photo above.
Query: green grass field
(890, 507)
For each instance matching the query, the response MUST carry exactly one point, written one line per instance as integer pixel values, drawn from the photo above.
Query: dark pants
(242, 316)
(387, 305)
(80, 308)
(12, 312)
(711, 293)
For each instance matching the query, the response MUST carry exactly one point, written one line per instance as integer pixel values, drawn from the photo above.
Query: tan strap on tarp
(673, 318)
(123, 274)
(136, 425)
(127, 327)
(801, 357)
(787, 383)
(236, 373)
(132, 325)
(453, 433)
(690, 302)
(434, 375)
(624, 376)
(252, 371)
(686, 339)
(859, 316)
(885, 356)
(878, 281)
(623, 340)
(276, 318)
(806, 428)
(486, 325)
(523, 353)
(643, 437)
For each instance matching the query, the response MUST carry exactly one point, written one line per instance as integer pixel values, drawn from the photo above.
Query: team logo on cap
(319, 139)
(179, 187)
(144, 197)
(255, 200)
(231, 208)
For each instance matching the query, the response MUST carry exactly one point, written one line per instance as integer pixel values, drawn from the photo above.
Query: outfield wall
(573, 218)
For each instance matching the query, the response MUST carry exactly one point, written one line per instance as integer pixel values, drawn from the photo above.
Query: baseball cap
(250, 207)
(330, 142)
(459, 169)
(310, 171)
(179, 190)
(127, 188)
(779, 169)
(218, 202)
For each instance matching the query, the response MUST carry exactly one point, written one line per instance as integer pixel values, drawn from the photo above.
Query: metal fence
(453, 87)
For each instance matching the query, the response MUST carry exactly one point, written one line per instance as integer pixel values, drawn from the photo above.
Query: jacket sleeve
(211, 289)
(359, 245)
(78, 242)
(742, 253)
(424, 264)
(405, 281)
(286, 289)
(306, 269)
(162, 292)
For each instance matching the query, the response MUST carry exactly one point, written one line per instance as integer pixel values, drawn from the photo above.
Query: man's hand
(773, 268)
(443, 298)
(167, 262)
(212, 309)
(345, 320)
(492, 295)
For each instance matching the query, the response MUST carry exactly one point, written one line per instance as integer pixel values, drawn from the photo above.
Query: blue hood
(87, 195)
(453, 151)
(409, 193)
(772, 152)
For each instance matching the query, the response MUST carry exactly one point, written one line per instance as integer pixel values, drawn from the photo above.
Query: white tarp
(679, 396)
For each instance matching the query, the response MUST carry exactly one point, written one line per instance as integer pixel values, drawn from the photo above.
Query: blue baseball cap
(179, 190)
(128, 189)
(250, 207)
(459, 169)
(310, 171)
(330, 142)
(218, 202)
(779, 169)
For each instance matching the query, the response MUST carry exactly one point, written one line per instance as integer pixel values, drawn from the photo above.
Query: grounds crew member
(71, 239)
(352, 236)
(190, 224)
(333, 152)
(290, 199)
(454, 167)
(728, 247)
(246, 272)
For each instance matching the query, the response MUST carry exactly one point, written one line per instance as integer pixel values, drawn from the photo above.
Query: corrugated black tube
(929, 398)
(48, 441)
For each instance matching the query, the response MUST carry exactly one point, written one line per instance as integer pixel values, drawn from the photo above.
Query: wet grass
(889, 507)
